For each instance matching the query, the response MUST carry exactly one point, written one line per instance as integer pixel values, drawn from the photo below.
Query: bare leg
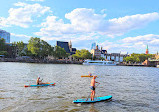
(91, 95)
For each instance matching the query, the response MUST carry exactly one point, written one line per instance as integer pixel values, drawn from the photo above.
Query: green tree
(130, 59)
(45, 49)
(2, 44)
(82, 54)
(59, 52)
(101, 58)
(20, 47)
(34, 46)
(38, 48)
(3, 53)
(138, 58)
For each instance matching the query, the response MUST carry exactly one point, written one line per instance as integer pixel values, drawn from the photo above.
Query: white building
(5, 35)
(118, 57)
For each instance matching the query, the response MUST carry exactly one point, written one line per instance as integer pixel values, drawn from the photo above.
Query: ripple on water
(65, 110)
(60, 97)
(133, 88)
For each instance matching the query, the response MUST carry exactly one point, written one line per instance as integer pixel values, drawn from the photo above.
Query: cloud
(140, 42)
(20, 35)
(22, 16)
(142, 38)
(127, 23)
(3, 22)
(85, 21)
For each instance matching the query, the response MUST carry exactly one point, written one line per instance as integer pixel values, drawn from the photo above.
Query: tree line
(40, 49)
(36, 48)
(138, 58)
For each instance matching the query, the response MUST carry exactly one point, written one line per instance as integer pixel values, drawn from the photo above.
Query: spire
(147, 51)
(147, 47)
(96, 46)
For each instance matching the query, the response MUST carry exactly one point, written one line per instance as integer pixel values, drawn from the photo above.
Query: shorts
(92, 88)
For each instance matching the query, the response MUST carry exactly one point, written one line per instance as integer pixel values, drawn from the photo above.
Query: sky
(115, 25)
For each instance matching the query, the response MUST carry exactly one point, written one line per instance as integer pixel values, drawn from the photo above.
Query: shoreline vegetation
(40, 61)
(58, 62)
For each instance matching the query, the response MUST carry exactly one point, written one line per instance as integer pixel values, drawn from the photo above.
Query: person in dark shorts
(93, 87)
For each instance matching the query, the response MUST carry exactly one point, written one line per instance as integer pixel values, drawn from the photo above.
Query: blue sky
(116, 25)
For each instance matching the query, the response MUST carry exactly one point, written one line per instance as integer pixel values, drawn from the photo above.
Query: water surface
(134, 89)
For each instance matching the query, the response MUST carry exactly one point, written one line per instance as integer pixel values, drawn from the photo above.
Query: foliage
(20, 47)
(59, 52)
(38, 48)
(3, 53)
(101, 58)
(2, 44)
(138, 58)
(82, 54)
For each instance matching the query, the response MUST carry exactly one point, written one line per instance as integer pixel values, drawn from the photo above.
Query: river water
(133, 89)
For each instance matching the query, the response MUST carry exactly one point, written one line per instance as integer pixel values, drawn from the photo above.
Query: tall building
(67, 46)
(5, 35)
(93, 46)
(96, 52)
(147, 50)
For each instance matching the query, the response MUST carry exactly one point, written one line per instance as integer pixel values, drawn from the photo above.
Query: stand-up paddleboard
(86, 76)
(97, 99)
(41, 85)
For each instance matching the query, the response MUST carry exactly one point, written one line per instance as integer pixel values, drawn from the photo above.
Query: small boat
(86, 76)
(97, 99)
(98, 62)
(41, 85)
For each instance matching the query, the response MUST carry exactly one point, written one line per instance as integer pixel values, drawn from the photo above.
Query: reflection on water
(133, 88)
(92, 108)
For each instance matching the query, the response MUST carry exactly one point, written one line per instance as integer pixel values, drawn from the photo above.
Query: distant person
(90, 74)
(93, 87)
(39, 82)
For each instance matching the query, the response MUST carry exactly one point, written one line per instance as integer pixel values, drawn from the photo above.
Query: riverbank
(60, 61)
(40, 61)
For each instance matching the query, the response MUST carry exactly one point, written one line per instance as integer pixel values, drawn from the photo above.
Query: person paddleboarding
(39, 82)
(90, 74)
(93, 87)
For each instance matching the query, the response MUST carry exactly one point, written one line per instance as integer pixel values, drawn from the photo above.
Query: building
(5, 35)
(96, 52)
(147, 50)
(67, 47)
(117, 57)
(157, 56)
(152, 61)
(93, 46)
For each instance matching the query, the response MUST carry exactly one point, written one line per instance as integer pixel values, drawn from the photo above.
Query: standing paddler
(93, 87)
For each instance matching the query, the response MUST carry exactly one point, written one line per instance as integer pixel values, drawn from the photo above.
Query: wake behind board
(49, 84)
(97, 99)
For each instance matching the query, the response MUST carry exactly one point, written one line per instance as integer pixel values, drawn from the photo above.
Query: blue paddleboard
(97, 99)
(50, 84)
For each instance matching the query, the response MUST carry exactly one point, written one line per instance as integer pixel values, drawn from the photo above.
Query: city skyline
(115, 25)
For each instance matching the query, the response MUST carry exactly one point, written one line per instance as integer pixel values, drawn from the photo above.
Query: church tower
(147, 50)
(70, 46)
